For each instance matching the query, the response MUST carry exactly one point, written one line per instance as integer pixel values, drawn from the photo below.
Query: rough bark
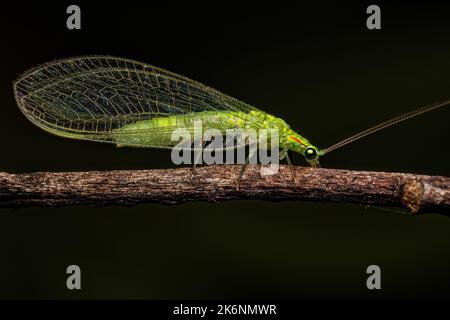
(417, 193)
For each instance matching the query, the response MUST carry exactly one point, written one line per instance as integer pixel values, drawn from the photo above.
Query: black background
(316, 66)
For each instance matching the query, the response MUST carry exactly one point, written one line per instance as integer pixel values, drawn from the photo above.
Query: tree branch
(417, 193)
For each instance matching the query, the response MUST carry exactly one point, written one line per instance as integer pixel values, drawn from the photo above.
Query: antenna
(386, 124)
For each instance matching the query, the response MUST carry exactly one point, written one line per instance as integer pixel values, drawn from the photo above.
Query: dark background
(319, 68)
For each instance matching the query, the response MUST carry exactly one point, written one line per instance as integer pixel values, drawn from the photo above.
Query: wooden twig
(417, 193)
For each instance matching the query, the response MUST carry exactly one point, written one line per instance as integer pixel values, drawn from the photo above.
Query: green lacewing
(129, 103)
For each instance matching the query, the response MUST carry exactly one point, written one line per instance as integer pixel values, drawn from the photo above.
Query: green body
(225, 120)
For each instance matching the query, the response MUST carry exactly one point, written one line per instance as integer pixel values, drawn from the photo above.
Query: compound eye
(310, 153)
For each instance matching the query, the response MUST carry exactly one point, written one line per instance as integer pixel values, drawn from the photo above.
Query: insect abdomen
(157, 132)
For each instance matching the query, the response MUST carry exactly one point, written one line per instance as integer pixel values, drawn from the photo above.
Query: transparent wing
(91, 97)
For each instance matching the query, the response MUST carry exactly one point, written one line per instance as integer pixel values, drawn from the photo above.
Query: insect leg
(291, 168)
(283, 153)
(241, 172)
(197, 157)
